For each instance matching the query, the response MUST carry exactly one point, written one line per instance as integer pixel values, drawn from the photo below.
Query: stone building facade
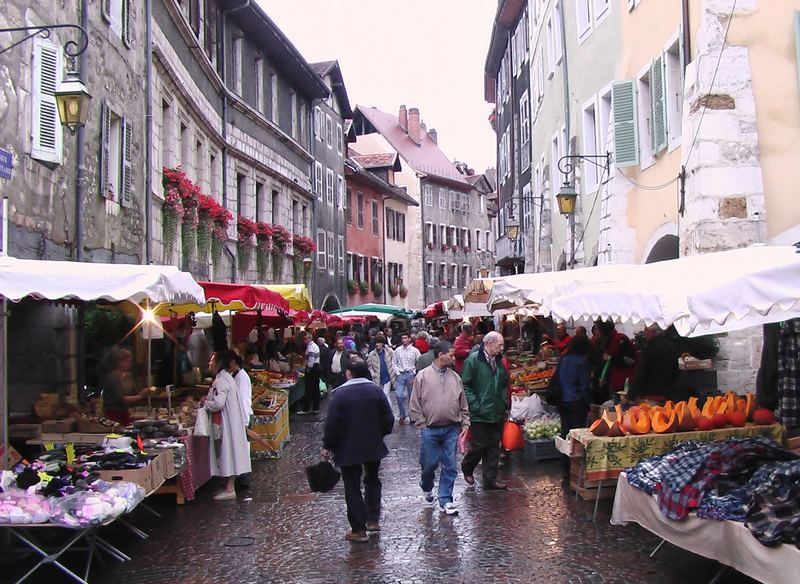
(329, 148)
(232, 107)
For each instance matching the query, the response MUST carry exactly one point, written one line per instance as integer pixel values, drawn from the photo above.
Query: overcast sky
(422, 53)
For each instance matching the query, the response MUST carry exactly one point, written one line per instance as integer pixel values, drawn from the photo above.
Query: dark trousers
(485, 445)
(573, 415)
(311, 399)
(361, 510)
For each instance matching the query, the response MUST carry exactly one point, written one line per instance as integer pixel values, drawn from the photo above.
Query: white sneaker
(429, 498)
(408, 420)
(449, 508)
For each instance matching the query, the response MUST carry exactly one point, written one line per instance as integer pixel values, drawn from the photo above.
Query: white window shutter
(626, 138)
(658, 140)
(127, 164)
(107, 10)
(105, 151)
(47, 130)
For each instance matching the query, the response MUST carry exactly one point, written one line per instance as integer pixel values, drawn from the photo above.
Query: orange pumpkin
(751, 405)
(636, 422)
(601, 426)
(685, 418)
(693, 409)
(663, 424)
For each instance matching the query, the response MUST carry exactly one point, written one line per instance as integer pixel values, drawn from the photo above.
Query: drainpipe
(80, 151)
(148, 133)
(687, 44)
(224, 91)
(565, 74)
(385, 266)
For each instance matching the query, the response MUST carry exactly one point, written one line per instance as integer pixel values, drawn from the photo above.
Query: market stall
(728, 542)
(297, 295)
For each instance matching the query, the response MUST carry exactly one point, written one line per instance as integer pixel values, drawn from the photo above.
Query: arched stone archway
(666, 248)
(331, 302)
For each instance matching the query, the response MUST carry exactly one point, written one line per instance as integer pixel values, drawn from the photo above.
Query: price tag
(70, 450)
(49, 446)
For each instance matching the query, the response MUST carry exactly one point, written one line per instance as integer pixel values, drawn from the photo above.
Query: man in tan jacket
(439, 407)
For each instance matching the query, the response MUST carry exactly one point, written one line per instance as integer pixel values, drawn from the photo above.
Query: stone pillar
(724, 202)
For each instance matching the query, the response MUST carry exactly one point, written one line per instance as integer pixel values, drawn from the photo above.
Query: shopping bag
(512, 437)
(202, 425)
(322, 477)
(465, 442)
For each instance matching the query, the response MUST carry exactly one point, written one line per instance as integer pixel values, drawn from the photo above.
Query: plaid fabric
(773, 515)
(405, 359)
(789, 372)
(732, 504)
(676, 497)
(646, 475)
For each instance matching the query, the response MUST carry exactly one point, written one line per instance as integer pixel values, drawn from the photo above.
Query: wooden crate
(588, 490)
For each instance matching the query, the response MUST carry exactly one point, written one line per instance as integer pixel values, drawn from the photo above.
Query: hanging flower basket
(363, 287)
(189, 233)
(352, 287)
(263, 248)
(303, 246)
(281, 239)
(173, 216)
(222, 221)
(445, 247)
(403, 292)
(246, 230)
(377, 288)
(394, 291)
(467, 250)
(205, 226)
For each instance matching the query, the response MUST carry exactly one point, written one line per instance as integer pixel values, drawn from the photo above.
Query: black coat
(358, 418)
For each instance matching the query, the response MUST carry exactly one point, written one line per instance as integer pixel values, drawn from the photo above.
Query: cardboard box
(140, 476)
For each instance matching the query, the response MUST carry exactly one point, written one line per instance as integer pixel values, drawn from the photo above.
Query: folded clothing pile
(754, 480)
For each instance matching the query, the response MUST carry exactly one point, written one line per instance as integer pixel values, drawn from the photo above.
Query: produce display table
(297, 391)
(728, 542)
(606, 457)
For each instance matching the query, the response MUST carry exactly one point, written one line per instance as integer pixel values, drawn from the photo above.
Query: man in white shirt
(336, 365)
(311, 399)
(405, 366)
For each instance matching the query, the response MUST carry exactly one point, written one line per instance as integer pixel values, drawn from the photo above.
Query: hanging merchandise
(219, 333)
(789, 373)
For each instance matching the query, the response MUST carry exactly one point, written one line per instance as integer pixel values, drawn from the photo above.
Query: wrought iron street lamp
(307, 263)
(72, 97)
(567, 195)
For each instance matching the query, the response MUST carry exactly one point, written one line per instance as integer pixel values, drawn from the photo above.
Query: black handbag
(322, 477)
(554, 394)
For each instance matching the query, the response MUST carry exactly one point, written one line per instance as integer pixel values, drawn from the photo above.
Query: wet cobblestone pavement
(534, 532)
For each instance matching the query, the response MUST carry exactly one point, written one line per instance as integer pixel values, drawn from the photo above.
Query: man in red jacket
(463, 345)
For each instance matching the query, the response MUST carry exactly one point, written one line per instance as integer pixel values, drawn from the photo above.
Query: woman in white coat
(230, 456)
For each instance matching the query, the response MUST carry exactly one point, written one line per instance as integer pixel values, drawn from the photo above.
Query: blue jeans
(439, 447)
(403, 392)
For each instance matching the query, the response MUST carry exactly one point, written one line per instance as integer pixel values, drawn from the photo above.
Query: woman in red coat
(620, 351)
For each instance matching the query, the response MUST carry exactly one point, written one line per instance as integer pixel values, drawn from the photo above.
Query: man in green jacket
(486, 387)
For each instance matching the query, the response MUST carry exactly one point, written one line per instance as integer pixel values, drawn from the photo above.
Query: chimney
(403, 118)
(434, 135)
(413, 125)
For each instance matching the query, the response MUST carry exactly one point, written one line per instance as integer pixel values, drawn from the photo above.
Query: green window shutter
(658, 114)
(626, 138)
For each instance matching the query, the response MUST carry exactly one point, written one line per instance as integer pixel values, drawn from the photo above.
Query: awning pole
(4, 350)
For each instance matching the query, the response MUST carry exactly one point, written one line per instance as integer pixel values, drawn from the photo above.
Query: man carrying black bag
(358, 418)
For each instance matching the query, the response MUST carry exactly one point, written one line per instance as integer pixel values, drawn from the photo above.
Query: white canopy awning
(381, 316)
(533, 289)
(53, 280)
(703, 294)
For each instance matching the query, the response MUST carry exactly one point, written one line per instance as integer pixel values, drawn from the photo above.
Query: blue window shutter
(626, 136)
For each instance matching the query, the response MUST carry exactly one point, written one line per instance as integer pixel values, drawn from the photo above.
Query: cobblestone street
(535, 532)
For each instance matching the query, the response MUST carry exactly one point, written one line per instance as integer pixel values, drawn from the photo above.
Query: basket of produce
(540, 439)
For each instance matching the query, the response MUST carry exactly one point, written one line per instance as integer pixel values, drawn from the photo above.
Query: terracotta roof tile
(375, 160)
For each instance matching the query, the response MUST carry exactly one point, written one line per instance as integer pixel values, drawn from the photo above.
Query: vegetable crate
(588, 490)
(274, 432)
(538, 450)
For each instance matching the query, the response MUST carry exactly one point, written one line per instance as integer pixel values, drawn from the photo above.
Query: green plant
(352, 287)
(363, 287)
(403, 292)
(377, 288)
(394, 290)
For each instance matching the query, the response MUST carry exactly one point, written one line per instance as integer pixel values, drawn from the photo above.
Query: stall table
(728, 542)
(604, 458)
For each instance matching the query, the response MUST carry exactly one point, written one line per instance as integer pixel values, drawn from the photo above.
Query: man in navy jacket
(359, 416)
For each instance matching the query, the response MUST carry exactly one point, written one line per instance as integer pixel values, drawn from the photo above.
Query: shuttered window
(127, 164)
(626, 147)
(321, 255)
(47, 73)
(658, 135)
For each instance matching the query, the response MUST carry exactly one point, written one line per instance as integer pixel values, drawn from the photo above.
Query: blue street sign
(6, 163)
